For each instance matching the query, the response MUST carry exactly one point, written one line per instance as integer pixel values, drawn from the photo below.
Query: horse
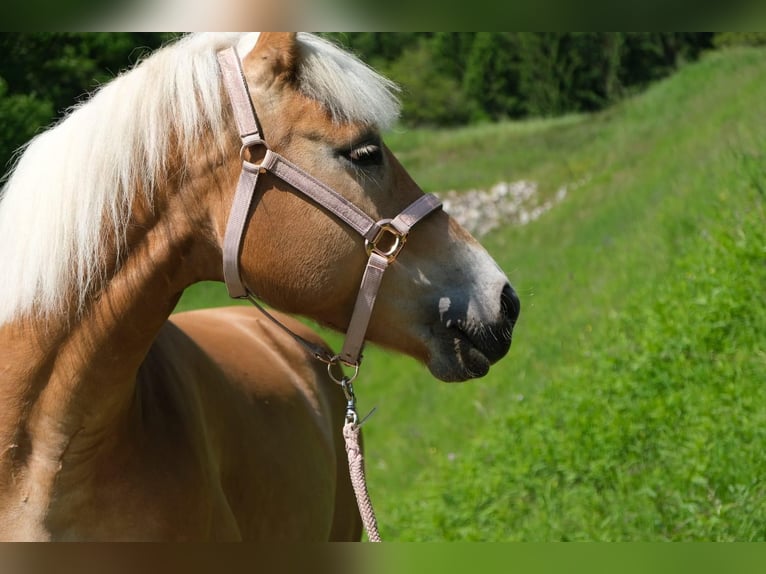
(120, 420)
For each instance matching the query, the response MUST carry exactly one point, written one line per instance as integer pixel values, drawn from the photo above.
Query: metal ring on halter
(249, 142)
(336, 361)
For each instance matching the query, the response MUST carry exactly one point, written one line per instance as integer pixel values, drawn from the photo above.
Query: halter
(384, 239)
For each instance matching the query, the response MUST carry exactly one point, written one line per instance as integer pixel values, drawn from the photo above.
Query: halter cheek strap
(384, 239)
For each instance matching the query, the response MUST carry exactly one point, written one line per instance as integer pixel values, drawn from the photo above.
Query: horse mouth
(463, 348)
(466, 353)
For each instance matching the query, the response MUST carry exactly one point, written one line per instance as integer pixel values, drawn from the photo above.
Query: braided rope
(358, 481)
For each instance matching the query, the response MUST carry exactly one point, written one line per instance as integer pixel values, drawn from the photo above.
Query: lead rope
(351, 431)
(356, 463)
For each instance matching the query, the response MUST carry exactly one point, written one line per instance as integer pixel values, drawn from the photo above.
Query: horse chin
(456, 360)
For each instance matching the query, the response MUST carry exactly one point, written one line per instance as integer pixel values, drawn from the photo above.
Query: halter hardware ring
(336, 361)
(248, 143)
(388, 241)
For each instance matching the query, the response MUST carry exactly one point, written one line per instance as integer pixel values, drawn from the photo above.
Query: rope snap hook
(348, 391)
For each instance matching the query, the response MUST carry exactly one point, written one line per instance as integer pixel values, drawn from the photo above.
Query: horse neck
(68, 381)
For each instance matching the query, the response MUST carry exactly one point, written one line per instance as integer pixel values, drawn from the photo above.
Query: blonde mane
(74, 184)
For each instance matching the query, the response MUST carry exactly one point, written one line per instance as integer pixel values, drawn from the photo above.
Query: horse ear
(275, 54)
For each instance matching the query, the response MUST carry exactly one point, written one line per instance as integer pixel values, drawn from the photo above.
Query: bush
(430, 97)
(43, 74)
(21, 117)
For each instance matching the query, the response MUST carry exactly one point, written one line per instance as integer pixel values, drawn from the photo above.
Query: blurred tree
(596, 69)
(492, 75)
(43, 74)
(570, 72)
(451, 50)
(376, 47)
(20, 118)
(430, 97)
(649, 56)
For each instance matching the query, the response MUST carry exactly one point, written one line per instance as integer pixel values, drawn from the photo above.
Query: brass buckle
(388, 241)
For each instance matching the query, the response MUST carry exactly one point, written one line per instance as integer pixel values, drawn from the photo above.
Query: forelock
(348, 88)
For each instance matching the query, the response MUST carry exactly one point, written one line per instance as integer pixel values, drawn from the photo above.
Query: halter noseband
(384, 239)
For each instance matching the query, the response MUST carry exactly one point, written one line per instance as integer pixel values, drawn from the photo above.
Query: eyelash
(367, 154)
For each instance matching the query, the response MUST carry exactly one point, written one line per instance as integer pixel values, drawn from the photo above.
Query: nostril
(510, 303)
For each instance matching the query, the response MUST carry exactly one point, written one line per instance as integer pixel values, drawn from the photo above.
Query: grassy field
(632, 405)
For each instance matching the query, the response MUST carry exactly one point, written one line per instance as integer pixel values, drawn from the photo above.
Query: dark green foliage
(649, 56)
(492, 77)
(374, 47)
(430, 98)
(521, 74)
(451, 51)
(449, 78)
(43, 74)
(570, 72)
(20, 118)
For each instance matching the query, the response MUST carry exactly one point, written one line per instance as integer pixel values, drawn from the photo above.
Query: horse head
(443, 301)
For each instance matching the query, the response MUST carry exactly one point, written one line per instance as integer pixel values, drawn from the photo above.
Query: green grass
(631, 406)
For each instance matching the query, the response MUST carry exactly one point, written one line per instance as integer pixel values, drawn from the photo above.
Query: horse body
(226, 432)
(117, 423)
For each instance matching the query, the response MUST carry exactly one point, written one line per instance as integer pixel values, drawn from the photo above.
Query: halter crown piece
(384, 239)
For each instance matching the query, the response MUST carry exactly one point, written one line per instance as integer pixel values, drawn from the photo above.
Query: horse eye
(367, 154)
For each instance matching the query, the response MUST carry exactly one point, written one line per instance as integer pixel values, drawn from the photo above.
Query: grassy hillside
(632, 404)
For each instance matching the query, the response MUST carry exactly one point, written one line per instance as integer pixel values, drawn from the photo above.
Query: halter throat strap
(384, 239)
